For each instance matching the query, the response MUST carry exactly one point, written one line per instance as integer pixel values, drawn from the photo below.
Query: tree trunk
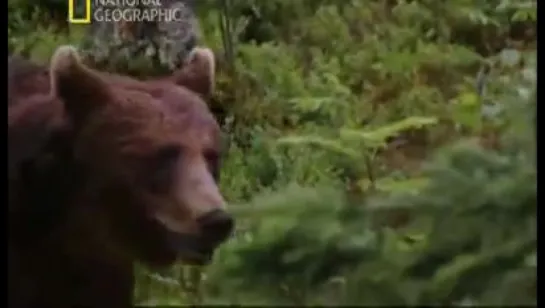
(164, 42)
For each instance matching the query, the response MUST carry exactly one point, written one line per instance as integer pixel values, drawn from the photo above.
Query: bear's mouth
(191, 249)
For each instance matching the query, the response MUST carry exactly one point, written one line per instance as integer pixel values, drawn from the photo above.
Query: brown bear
(106, 171)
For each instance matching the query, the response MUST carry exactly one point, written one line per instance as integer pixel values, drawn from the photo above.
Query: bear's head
(150, 154)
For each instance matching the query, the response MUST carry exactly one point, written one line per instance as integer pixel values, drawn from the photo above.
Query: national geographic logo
(71, 13)
(123, 10)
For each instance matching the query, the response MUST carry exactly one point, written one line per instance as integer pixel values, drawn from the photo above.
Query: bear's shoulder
(25, 78)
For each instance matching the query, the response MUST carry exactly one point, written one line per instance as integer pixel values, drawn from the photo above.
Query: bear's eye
(213, 160)
(163, 167)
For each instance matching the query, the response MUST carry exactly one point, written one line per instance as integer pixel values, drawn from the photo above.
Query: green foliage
(380, 153)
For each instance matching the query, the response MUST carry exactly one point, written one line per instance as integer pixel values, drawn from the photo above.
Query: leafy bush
(380, 152)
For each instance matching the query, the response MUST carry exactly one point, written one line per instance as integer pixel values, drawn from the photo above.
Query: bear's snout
(216, 226)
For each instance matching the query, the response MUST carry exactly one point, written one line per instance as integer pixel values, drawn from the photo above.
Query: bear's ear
(81, 90)
(198, 72)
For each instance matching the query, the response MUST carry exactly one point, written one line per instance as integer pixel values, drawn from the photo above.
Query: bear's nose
(216, 226)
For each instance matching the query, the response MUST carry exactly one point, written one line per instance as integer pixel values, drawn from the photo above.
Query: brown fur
(104, 171)
(25, 77)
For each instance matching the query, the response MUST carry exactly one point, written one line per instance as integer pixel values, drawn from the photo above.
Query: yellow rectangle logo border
(81, 21)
